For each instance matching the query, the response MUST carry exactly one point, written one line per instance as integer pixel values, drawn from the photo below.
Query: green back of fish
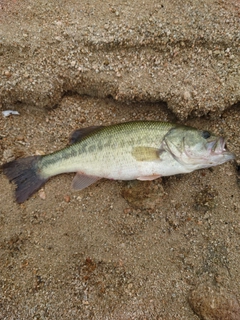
(122, 134)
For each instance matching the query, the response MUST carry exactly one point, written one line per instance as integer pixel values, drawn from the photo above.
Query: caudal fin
(24, 173)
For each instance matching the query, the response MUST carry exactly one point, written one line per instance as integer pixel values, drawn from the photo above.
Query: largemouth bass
(143, 150)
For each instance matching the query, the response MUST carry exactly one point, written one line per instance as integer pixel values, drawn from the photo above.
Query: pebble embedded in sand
(213, 303)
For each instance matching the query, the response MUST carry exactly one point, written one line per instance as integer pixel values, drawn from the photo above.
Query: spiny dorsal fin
(146, 153)
(79, 134)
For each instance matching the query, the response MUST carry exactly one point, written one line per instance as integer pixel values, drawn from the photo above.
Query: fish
(143, 150)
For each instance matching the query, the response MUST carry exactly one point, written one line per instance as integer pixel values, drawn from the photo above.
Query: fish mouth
(219, 147)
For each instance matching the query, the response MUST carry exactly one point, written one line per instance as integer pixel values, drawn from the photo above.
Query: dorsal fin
(79, 134)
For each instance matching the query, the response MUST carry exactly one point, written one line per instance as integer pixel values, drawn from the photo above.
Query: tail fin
(24, 173)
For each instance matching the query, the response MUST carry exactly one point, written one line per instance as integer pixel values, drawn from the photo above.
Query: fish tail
(25, 173)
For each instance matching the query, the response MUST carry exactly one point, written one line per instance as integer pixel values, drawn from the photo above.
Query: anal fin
(82, 181)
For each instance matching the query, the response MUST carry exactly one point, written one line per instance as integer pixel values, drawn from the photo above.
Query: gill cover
(189, 145)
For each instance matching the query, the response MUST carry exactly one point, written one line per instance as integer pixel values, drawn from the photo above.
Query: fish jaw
(219, 147)
(218, 152)
(215, 155)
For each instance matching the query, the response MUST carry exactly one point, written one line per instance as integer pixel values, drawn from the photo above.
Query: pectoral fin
(146, 153)
(81, 181)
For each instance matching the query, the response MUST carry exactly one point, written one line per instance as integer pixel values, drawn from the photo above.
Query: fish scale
(111, 145)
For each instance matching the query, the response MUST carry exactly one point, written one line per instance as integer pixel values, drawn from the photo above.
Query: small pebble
(42, 194)
(39, 153)
(67, 198)
(186, 95)
(8, 155)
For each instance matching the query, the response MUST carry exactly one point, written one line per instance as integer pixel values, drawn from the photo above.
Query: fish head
(196, 149)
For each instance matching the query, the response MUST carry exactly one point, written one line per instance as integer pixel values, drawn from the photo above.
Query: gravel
(183, 53)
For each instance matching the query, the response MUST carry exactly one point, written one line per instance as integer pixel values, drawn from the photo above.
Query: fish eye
(206, 134)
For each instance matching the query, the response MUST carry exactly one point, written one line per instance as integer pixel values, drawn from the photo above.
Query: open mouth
(218, 146)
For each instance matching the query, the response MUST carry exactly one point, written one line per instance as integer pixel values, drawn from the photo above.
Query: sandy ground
(185, 53)
(118, 250)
